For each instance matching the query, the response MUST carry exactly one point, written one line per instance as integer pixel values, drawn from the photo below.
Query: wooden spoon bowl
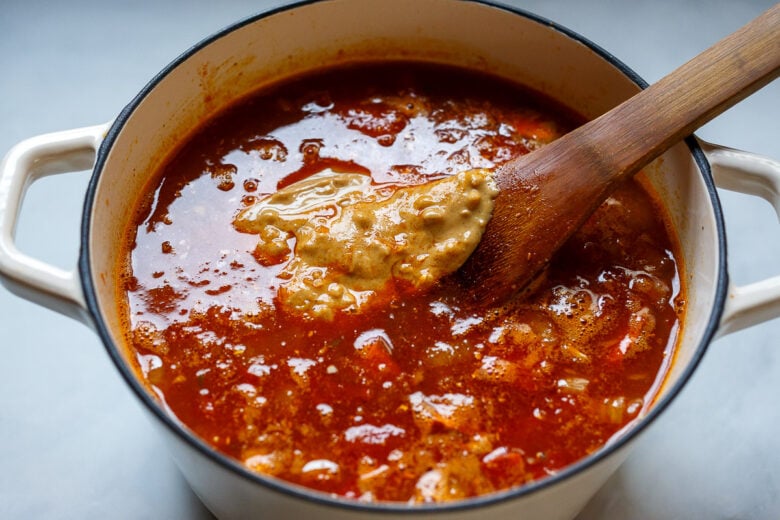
(547, 195)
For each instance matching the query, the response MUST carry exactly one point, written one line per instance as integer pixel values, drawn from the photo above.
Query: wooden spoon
(545, 196)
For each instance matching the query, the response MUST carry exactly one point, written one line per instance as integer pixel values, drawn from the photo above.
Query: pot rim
(296, 491)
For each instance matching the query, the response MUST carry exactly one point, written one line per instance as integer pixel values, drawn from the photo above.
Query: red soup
(425, 396)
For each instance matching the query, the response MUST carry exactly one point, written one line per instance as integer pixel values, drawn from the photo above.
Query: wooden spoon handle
(547, 195)
(693, 94)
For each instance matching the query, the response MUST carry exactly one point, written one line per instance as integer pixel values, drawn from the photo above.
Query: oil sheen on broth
(388, 386)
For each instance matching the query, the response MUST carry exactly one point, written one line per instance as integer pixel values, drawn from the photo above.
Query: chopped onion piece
(575, 384)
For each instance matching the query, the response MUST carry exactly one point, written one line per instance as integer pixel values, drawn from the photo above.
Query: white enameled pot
(311, 34)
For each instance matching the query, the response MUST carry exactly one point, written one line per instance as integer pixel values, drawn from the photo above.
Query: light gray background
(74, 442)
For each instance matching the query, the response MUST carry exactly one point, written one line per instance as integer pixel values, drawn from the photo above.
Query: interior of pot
(263, 49)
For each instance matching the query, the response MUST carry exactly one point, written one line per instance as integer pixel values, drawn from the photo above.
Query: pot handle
(751, 174)
(26, 162)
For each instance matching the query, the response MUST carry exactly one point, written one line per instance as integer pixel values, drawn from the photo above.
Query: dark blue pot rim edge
(280, 486)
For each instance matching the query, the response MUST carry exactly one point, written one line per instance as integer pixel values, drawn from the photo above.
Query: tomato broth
(424, 396)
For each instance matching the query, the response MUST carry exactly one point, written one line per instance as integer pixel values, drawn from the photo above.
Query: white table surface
(74, 441)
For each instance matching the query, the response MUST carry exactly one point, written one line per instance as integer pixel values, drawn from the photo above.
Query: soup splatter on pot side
(422, 396)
